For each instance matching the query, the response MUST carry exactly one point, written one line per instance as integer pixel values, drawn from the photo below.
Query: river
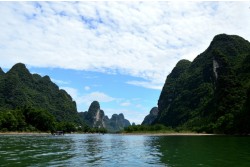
(124, 150)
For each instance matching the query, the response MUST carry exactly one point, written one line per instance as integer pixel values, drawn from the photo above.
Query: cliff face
(150, 118)
(19, 88)
(211, 93)
(95, 117)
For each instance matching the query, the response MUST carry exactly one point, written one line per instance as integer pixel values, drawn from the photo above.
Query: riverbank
(170, 134)
(138, 133)
(24, 133)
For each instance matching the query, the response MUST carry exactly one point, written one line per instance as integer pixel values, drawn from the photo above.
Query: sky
(118, 53)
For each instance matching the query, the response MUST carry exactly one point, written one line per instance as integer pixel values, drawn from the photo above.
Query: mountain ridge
(210, 93)
(150, 118)
(95, 117)
(20, 88)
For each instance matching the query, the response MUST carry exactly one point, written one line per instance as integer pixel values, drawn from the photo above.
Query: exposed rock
(210, 93)
(215, 66)
(150, 118)
(95, 117)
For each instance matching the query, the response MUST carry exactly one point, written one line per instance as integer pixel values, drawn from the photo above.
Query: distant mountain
(212, 93)
(19, 88)
(117, 123)
(95, 117)
(150, 118)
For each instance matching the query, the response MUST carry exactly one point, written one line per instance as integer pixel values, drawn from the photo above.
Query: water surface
(123, 150)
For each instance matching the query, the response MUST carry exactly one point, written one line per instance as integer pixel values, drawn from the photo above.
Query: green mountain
(20, 88)
(1, 72)
(212, 93)
(150, 118)
(95, 117)
(117, 123)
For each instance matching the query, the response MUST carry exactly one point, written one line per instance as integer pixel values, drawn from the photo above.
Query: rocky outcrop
(117, 122)
(95, 117)
(150, 118)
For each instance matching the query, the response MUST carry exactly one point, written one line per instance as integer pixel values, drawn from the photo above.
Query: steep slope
(19, 88)
(1, 72)
(211, 93)
(95, 117)
(150, 118)
(117, 123)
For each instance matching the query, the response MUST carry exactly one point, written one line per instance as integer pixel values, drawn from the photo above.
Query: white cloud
(95, 96)
(125, 104)
(141, 39)
(87, 99)
(72, 92)
(60, 81)
(33, 72)
(131, 115)
(145, 84)
(86, 88)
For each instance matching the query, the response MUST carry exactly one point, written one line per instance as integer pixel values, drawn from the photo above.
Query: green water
(124, 150)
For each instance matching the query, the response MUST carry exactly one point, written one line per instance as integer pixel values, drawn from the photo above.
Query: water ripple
(122, 150)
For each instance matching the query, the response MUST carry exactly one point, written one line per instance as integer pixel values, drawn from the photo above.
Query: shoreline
(24, 133)
(124, 134)
(171, 134)
(129, 134)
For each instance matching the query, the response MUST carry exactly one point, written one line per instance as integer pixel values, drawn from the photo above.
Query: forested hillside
(22, 92)
(212, 93)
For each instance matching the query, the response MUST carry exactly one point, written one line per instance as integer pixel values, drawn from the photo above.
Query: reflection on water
(123, 150)
(78, 150)
(208, 151)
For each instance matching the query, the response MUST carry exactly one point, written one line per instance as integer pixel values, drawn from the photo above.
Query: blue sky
(118, 53)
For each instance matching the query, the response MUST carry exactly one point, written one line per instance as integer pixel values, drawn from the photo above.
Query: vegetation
(95, 130)
(210, 94)
(157, 128)
(27, 119)
(31, 103)
(19, 88)
(95, 117)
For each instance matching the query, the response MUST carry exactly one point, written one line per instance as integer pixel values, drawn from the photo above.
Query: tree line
(28, 119)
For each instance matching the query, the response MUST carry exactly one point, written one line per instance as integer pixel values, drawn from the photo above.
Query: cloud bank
(141, 39)
(88, 98)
